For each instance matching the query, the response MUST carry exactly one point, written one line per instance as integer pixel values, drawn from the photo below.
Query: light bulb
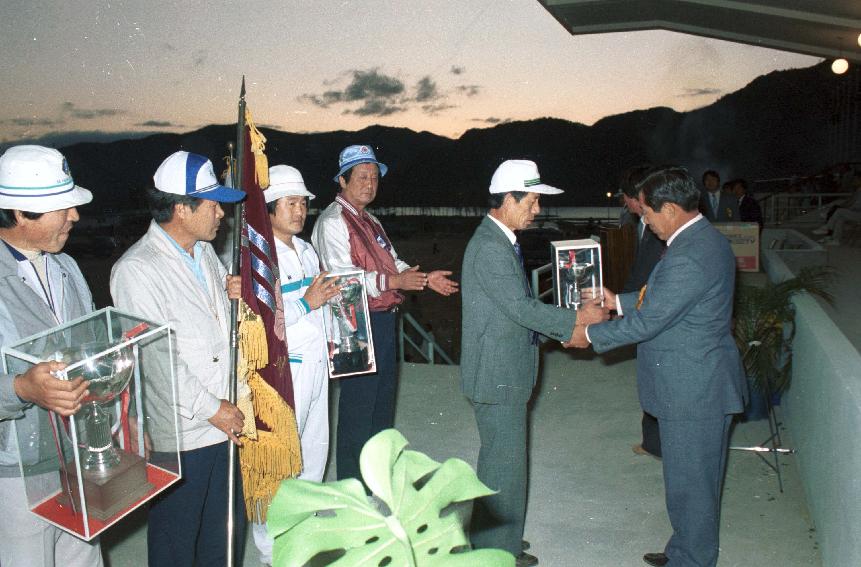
(840, 66)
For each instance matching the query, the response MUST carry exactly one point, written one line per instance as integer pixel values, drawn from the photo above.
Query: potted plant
(764, 328)
(414, 524)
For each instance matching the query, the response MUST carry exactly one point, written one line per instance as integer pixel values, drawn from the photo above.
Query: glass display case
(348, 328)
(576, 266)
(86, 472)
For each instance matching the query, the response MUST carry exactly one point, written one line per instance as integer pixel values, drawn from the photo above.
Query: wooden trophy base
(109, 492)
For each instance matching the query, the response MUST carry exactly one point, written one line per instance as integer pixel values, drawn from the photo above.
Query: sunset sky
(118, 67)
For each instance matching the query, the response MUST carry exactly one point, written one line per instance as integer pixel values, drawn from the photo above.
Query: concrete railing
(822, 411)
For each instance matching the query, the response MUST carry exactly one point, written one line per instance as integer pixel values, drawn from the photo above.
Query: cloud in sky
(28, 122)
(158, 124)
(468, 90)
(457, 70)
(703, 91)
(492, 120)
(69, 109)
(382, 95)
(426, 90)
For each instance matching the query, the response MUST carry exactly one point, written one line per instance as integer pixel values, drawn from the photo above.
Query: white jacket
(304, 328)
(152, 280)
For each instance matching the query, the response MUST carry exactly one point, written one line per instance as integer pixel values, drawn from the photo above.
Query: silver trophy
(351, 356)
(576, 274)
(108, 375)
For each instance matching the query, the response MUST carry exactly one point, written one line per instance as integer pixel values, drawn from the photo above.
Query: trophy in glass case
(348, 328)
(108, 376)
(576, 266)
(86, 472)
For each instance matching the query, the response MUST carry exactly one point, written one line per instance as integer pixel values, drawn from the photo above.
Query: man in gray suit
(499, 359)
(689, 373)
(717, 205)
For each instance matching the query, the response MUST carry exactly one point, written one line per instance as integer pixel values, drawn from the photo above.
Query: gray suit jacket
(688, 365)
(24, 313)
(499, 363)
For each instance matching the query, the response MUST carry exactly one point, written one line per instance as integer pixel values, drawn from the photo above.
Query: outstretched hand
(410, 279)
(439, 282)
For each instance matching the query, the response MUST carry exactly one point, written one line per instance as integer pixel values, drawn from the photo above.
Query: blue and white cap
(36, 179)
(184, 173)
(351, 156)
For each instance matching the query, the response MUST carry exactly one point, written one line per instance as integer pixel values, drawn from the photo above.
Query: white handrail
(428, 340)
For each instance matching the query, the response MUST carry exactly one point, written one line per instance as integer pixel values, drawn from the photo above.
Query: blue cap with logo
(352, 156)
(184, 173)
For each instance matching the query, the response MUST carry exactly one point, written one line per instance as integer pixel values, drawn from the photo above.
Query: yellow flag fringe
(274, 456)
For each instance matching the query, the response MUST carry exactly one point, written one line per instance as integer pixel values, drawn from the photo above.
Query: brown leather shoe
(525, 560)
(656, 559)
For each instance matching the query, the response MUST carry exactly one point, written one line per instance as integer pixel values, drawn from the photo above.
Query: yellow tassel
(252, 338)
(275, 456)
(258, 145)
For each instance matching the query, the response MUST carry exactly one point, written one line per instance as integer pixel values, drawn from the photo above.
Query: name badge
(382, 242)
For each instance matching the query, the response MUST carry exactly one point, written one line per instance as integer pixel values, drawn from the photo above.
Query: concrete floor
(593, 502)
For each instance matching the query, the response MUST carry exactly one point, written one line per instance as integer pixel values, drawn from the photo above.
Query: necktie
(641, 229)
(714, 198)
(533, 336)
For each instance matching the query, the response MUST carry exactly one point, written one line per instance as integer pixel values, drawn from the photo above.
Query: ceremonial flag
(272, 453)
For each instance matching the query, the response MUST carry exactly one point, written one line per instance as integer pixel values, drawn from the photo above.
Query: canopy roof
(824, 28)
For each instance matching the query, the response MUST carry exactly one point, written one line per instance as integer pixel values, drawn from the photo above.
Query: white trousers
(311, 396)
(28, 541)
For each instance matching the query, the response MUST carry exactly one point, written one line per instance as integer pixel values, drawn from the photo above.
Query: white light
(859, 39)
(609, 194)
(840, 66)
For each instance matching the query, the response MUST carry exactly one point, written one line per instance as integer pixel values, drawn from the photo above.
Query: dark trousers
(187, 525)
(497, 521)
(651, 435)
(694, 462)
(366, 404)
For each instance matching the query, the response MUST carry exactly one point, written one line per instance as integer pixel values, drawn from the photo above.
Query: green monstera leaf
(334, 524)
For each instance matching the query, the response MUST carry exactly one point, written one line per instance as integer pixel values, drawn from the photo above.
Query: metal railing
(536, 278)
(428, 346)
(778, 208)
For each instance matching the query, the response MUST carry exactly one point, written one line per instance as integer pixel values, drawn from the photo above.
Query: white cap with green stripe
(519, 175)
(36, 179)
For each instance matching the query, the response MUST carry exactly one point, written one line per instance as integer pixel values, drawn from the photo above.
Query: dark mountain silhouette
(780, 124)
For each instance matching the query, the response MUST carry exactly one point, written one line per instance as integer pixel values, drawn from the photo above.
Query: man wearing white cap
(172, 274)
(41, 288)
(304, 291)
(499, 352)
(349, 238)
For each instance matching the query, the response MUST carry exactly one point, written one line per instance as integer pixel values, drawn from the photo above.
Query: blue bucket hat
(352, 156)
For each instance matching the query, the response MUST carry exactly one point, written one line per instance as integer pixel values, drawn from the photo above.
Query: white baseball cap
(285, 180)
(184, 173)
(519, 175)
(36, 179)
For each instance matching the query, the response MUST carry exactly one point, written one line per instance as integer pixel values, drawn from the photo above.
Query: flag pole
(234, 318)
